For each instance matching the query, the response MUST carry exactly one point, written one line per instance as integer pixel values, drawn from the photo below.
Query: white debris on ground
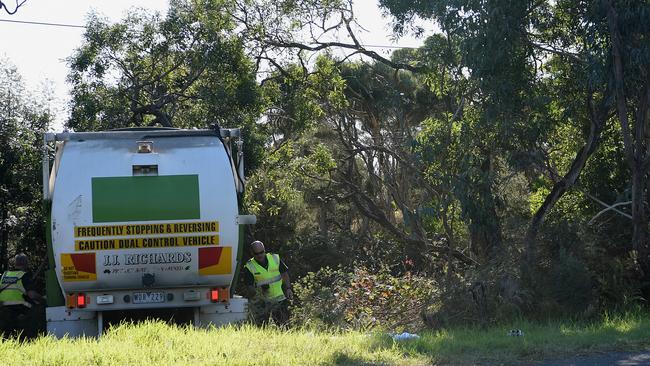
(404, 336)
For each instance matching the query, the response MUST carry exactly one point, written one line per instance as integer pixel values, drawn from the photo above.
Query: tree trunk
(484, 224)
(640, 183)
(635, 145)
(597, 124)
(323, 228)
(639, 221)
(4, 239)
(450, 244)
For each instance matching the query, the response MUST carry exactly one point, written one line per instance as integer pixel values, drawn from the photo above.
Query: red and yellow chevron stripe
(215, 261)
(78, 267)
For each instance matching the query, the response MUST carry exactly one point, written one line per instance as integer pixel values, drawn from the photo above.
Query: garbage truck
(143, 221)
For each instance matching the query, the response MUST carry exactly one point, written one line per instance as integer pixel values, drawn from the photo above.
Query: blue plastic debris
(404, 336)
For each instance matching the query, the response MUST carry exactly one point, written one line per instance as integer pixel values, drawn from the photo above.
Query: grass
(550, 340)
(156, 343)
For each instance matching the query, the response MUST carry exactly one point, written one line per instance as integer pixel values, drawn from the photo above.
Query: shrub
(362, 299)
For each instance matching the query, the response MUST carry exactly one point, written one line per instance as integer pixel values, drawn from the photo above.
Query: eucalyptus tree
(627, 33)
(367, 117)
(185, 69)
(378, 171)
(601, 46)
(298, 30)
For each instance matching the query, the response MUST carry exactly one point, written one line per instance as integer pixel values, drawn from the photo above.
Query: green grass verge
(551, 340)
(156, 343)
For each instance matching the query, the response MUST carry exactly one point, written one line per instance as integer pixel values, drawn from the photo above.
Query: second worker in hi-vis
(267, 286)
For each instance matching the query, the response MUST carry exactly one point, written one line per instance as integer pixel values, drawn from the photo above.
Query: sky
(39, 51)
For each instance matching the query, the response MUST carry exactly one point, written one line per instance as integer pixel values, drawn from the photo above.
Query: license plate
(148, 297)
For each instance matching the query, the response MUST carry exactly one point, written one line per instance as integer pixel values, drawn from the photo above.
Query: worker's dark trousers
(23, 321)
(265, 311)
(280, 314)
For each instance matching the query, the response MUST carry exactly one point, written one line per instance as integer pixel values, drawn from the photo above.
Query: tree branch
(613, 208)
(597, 124)
(551, 49)
(619, 83)
(318, 46)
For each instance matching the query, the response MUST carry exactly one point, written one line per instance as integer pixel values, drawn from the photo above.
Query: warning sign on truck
(78, 267)
(137, 243)
(146, 229)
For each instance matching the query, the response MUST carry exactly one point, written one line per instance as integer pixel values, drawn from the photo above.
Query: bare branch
(318, 46)
(549, 48)
(613, 208)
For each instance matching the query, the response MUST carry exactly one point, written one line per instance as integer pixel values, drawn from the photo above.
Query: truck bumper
(236, 311)
(62, 322)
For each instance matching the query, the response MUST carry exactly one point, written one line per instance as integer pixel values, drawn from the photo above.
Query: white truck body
(143, 219)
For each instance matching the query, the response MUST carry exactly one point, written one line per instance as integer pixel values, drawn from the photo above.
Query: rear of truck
(143, 221)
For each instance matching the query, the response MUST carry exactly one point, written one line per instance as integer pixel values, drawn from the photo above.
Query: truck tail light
(214, 294)
(219, 294)
(81, 300)
(76, 301)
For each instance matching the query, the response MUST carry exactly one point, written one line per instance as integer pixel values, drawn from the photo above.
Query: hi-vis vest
(270, 276)
(12, 289)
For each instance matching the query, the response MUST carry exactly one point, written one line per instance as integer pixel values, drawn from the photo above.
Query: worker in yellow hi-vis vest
(268, 286)
(20, 305)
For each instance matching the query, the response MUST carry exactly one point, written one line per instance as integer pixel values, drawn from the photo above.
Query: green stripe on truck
(146, 198)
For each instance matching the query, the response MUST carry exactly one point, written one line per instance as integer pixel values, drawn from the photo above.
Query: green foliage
(277, 190)
(316, 293)
(24, 117)
(362, 299)
(570, 283)
(617, 285)
(295, 101)
(541, 77)
(187, 69)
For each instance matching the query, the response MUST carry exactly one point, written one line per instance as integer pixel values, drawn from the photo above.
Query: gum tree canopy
(601, 46)
(184, 70)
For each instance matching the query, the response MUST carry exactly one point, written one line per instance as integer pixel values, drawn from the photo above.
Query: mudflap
(236, 311)
(62, 322)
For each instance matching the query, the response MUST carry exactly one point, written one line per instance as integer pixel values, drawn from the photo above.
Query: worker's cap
(256, 242)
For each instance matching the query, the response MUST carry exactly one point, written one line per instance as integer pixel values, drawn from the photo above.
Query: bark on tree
(4, 239)
(598, 117)
(635, 145)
